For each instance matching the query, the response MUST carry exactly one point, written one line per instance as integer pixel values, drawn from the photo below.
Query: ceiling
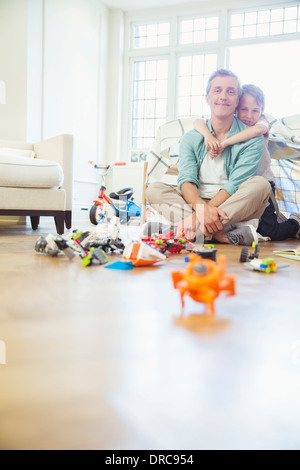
(128, 5)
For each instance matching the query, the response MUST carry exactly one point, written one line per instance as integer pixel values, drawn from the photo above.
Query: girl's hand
(211, 143)
(214, 153)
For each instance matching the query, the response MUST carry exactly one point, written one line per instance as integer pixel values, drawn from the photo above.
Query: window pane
(151, 35)
(290, 13)
(276, 28)
(263, 30)
(250, 31)
(199, 30)
(281, 88)
(149, 109)
(162, 69)
(290, 27)
(250, 18)
(277, 15)
(185, 65)
(237, 20)
(163, 40)
(139, 71)
(184, 106)
(150, 89)
(187, 26)
(151, 69)
(263, 16)
(212, 35)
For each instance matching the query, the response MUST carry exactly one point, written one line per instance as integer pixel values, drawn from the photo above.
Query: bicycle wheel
(97, 214)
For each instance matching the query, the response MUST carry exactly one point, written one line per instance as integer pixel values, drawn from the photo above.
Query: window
(172, 58)
(149, 104)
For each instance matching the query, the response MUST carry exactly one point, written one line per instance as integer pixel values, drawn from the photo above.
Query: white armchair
(36, 180)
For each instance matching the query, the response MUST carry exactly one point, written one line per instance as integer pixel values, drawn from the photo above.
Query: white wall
(13, 68)
(67, 65)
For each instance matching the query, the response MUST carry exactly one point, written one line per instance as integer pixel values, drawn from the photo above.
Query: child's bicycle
(104, 207)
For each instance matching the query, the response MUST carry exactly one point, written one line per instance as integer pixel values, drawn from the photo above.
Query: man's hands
(212, 219)
(206, 219)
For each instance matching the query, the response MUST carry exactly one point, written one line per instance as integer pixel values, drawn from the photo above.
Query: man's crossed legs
(247, 203)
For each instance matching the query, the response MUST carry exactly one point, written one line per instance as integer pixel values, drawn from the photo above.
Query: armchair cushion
(24, 172)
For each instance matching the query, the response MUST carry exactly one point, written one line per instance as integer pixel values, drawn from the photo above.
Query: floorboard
(96, 358)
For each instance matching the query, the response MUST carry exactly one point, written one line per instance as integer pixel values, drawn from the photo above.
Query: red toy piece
(167, 242)
(203, 280)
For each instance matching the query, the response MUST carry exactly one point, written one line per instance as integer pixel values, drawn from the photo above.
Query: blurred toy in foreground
(168, 242)
(203, 280)
(141, 254)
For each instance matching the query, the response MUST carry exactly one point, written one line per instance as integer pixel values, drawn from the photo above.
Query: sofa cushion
(12, 152)
(24, 172)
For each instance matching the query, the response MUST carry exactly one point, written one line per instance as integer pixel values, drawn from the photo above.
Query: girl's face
(249, 111)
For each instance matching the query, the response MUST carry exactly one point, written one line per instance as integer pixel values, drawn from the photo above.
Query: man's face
(223, 96)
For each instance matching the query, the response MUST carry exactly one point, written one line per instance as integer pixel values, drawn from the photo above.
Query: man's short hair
(223, 73)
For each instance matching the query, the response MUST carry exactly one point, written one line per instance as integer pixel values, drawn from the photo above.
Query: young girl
(249, 111)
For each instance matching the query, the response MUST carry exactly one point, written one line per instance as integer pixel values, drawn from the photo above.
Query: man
(217, 197)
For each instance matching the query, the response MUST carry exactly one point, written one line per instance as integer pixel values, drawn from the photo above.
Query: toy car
(246, 256)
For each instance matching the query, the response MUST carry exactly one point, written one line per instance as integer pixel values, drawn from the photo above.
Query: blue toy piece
(122, 265)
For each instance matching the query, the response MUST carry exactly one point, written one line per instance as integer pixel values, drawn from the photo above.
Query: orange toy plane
(203, 280)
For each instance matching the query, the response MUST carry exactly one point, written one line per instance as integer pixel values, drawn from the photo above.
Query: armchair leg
(68, 219)
(35, 220)
(60, 222)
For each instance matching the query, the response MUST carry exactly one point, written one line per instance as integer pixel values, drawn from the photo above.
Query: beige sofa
(36, 180)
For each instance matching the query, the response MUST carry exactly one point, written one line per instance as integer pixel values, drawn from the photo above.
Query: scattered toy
(122, 265)
(246, 256)
(267, 265)
(53, 245)
(207, 252)
(203, 280)
(141, 254)
(95, 255)
(92, 246)
(254, 263)
(168, 242)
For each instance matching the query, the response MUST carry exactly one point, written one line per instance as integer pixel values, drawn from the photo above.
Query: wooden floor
(95, 358)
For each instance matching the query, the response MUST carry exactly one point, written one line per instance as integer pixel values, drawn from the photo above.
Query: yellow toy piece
(203, 280)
